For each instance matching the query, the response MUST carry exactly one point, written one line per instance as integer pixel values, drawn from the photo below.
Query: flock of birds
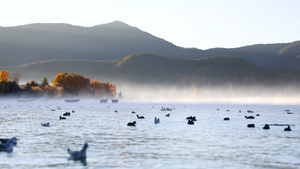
(192, 119)
(7, 144)
(266, 126)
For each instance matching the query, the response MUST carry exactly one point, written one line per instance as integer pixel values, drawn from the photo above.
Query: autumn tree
(74, 84)
(102, 88)
(4, 76)
(71, 83)
(29, 85)
(59, 79)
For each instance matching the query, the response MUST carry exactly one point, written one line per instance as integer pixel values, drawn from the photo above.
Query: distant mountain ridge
(152, 69)
(39, 42)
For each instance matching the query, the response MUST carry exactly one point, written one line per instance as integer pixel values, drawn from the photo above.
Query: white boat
(72, 100)
(103, 101)
(114, 100)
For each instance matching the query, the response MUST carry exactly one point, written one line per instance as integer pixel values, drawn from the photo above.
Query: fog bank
(243, 95)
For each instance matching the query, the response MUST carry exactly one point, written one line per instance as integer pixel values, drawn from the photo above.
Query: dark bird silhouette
(288, 129)
(140, 117)
(250, 125)
(67, 114)
(266, 127)
(249, 117)
(226, 118)
(190, 122)
(131, 123)
(168, 115)
(192, 118)
(62, 118)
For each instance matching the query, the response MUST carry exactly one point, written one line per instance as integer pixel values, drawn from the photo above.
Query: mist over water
(243, 95)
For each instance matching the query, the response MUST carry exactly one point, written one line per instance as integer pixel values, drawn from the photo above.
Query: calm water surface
(210, 143)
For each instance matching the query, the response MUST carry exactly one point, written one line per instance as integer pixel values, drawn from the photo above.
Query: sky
(202, 24)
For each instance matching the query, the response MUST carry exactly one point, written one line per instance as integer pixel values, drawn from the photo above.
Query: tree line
(63, 84)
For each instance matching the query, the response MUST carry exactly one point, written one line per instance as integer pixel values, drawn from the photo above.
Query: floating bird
(73, 111)
(14, 140)
(133, 112)
(250, 125)
(79, 155)
(226, 118)
(67, 114)
(131, 123)
(45, 124)
(140, 117)
(190, 122)
(288, 129)
(7, 147)
(266, 127)
(192, 118)
(156, 120)
(249, 117)
(62, 118)
(168, 115)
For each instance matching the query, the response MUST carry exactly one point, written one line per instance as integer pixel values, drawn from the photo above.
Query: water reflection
(81, 160)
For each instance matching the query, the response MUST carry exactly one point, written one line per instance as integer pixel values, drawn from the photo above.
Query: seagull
(78, 155)
(7, 147)
(14, 140)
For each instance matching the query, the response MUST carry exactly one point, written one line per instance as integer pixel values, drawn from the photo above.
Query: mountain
(40, 42)
(154, 69)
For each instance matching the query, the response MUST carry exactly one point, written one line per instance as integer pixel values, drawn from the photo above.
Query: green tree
(44, 82)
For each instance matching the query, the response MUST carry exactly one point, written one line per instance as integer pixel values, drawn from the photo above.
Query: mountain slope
(39, 42)
(156, 69)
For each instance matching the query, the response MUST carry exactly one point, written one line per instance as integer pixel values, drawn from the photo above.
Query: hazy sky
(186, 23)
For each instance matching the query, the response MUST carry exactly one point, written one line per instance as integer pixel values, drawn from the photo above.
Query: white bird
(7, 147)
(78, 155)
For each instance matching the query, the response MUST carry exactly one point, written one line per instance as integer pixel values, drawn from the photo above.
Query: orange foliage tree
(4, 76)
(102, 88)
(74, 84)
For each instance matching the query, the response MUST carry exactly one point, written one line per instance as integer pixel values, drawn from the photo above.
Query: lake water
(210, 143)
